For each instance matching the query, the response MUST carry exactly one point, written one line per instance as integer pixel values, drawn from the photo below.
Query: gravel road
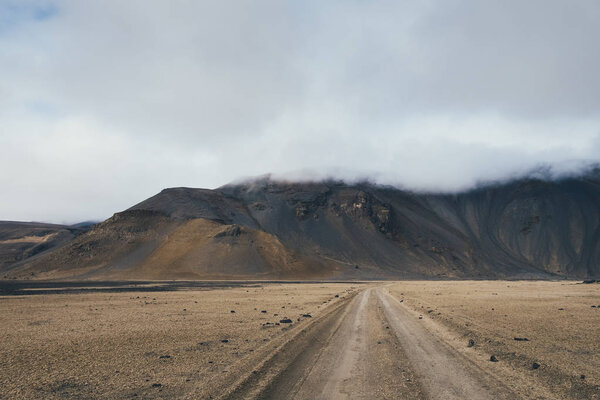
(370, 347)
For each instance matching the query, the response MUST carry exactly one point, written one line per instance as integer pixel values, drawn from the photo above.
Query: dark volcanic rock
(528, 228)
(232, 230)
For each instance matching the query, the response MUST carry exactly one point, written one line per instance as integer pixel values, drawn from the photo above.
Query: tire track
(443, 373)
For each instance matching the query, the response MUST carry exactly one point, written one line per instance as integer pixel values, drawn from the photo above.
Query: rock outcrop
(266, 229)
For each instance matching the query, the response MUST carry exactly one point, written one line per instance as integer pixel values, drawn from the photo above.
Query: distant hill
(20, 241)
(265, 229)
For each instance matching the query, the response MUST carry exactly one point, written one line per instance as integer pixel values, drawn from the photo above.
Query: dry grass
(113, 345)
(29, 239)
(557, 318)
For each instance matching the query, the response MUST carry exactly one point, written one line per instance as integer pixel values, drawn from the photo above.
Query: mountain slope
(22, 240)
(276, 230)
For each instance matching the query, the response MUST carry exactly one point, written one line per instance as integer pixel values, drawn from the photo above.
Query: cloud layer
(105, 103)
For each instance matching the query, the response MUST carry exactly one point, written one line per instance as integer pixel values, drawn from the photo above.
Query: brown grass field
(170, 344)
(557, 318)
(109, 345)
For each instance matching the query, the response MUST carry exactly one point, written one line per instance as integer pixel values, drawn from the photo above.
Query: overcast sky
(104, 103)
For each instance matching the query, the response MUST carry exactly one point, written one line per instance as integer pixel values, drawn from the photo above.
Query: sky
(105, 103)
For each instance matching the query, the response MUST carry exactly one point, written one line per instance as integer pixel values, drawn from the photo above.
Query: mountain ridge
(528, 228)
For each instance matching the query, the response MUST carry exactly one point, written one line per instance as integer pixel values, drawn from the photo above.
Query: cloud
(104, 104)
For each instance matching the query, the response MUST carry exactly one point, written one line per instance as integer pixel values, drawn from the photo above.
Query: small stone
(420, 317)
(493, 359)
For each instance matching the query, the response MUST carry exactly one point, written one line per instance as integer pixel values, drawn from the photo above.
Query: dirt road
(444, 373)
(371, 347)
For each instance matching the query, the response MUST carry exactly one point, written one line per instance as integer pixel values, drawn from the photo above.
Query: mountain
(22, 240)
(265, 229)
